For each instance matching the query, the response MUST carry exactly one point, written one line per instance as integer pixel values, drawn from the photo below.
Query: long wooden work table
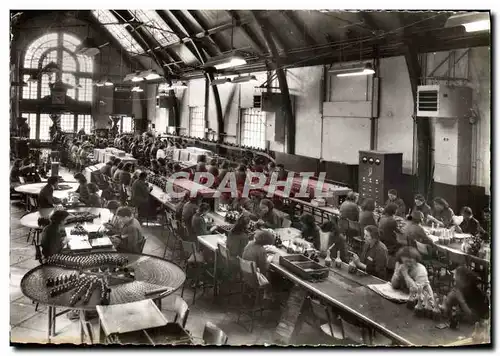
(350, 294)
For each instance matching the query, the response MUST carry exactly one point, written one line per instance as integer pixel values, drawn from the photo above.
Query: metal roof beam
(294, 20)
(219, 45)
(97, 27)
(181, 33)
(247, 30)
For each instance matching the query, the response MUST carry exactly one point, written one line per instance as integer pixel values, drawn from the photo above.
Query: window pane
(155, 25)
(68, 122)
(85, 122)
(117, 30)
(44, 89)
(32, 124)
(197, 121)
(29, 92)
(127, 124)
(253, 128)
(45, 124)
(70, 42)
(85, 92)
(86, 63)
(69, 63)
(69, 79)
(51, 57)
(37, 48)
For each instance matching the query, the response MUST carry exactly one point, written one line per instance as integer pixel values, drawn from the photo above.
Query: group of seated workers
(124, 229)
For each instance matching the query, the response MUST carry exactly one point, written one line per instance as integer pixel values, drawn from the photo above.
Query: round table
(31, 220)
(35, 188)
(151, 274)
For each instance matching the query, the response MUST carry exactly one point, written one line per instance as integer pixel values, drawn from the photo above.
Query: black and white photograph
(270, 177)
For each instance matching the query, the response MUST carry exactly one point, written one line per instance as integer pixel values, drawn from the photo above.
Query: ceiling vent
(444, 101)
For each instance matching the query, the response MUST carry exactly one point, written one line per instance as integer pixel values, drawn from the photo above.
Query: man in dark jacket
(46, 198)
(140, 195)
(349, 209)
(389, 229)
(393, 198)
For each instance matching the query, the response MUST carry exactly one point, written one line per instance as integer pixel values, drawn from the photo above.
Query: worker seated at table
(113, 225)
(373, 259)
(469, 225)
(367, 217)
(392, 195)
(201, 165)
(271, 167)
(238, 237)
(130, 238)
(116, 162)
(332, 238)
(309, 229)
(126, 174)
(349, 208)
(414, 230)
(118, 172)
(46, 198)
(94, 199)
(140, 195)
(441, 213)
(409, 273)
(389, 229)
(268, 217)
(198, 224)
(163, 166)
(15, 172)
(155, 166)
(212, 168)
(467, 296)
(180, 206)
(251, 204)
(422, 206)
(188, 211)
(106, 169)
(255, 251)
(83, 189)
(53, 235)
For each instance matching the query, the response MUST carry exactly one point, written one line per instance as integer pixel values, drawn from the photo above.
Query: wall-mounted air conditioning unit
(444, 101)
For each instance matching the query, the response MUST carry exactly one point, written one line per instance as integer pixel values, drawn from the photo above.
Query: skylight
(155, 25)
(118, 31)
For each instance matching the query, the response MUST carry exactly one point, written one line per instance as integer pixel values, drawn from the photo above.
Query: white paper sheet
(386, 291)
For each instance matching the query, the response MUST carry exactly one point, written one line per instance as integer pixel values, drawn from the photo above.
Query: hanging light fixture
(133, 77)
(137, 89)
(366, 69)
(225, 61)
(471, 21)
(220, 81)
(150, 74)
(87, 48)
(244, 79)
(178, 85)
(108, 83)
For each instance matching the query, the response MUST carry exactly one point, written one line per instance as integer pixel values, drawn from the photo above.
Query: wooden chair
(22, 180)
(32, 204)
(354, 236)
(212, 335)
(250, 287)
(227, 273)
(181, 309)
(194, 264)
(173, 235)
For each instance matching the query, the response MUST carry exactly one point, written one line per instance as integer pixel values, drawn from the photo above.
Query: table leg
(215, 273)
(54, 312)
(102, 336)
(49, 326)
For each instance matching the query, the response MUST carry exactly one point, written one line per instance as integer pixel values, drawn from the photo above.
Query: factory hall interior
(250, 177)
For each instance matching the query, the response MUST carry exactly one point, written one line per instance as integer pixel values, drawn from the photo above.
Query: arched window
(76, 70)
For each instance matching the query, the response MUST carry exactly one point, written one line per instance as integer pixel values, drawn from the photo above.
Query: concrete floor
(30, 326)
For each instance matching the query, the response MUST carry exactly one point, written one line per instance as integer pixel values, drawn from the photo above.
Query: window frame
(200, 111)
(257, 120)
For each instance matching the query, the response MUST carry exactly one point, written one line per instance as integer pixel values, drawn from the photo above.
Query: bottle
(338, 261)
(454, 323)
(436, 312)
(419, 310)
(328, 259)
